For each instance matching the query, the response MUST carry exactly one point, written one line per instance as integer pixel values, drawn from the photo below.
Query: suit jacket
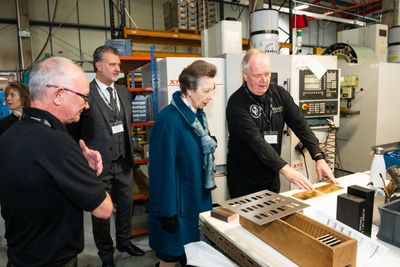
(93, 126)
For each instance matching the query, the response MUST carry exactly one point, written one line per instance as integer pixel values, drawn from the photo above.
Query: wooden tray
(296, 237)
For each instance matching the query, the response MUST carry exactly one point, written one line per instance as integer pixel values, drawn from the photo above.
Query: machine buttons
(305, 106)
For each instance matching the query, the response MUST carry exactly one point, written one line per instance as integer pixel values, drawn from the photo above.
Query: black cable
(284, 2)
(329, 149)
(240, 13)
(339, 161)
(305, 165)
(48, 36)
(283, 30)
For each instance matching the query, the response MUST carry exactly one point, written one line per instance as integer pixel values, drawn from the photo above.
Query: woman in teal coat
(181, 165)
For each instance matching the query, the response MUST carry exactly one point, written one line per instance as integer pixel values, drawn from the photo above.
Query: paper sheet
(201, 254)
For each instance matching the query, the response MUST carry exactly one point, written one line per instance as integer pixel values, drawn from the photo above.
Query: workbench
(259, 253)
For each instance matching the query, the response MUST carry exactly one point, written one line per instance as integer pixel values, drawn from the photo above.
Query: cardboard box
(296, 237)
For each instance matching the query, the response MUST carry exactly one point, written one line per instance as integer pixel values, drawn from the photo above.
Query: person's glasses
(85, 97)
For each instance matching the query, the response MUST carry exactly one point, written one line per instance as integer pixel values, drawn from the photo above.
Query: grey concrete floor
(89, 258)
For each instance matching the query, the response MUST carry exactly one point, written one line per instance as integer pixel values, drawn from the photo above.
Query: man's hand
(296, 178)
(93, 157)
(324, 172)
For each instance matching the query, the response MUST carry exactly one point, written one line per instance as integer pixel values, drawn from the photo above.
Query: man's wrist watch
(319, 156)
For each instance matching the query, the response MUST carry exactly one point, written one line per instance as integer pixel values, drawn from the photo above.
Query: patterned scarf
(208, 143)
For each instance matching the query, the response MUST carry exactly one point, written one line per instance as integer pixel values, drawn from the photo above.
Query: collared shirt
(106, 95)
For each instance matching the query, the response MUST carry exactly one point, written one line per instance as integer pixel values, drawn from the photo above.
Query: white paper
(201, 254)
(316, 67)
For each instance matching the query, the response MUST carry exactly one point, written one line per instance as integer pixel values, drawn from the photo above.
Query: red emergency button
(305, 106)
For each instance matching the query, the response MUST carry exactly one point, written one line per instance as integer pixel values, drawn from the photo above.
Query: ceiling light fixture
(301, 7)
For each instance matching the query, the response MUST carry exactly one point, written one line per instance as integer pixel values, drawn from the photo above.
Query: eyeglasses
(85, 97)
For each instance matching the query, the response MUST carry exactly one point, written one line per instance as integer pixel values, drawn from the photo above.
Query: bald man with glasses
(47, 180)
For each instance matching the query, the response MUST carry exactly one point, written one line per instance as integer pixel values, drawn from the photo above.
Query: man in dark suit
(106, 127)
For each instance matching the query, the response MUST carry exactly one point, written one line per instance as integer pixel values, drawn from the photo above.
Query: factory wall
(79, 45)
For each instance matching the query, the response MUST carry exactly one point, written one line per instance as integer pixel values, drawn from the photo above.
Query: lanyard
(108, 102)
(36, 119)
(268, 118)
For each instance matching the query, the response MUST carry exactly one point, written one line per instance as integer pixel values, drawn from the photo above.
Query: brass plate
(328, 188)
(264, 206)
(307, 194)
(317, 192)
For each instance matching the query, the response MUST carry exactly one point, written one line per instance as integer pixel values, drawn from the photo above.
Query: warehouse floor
(89, 258)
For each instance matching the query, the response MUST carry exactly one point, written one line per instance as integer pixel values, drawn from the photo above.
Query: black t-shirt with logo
(252, 163)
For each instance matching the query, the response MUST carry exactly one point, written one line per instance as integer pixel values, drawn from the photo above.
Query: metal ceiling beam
(314, 15)
(358, 6)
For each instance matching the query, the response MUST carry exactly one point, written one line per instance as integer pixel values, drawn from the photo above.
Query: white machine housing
(373, 36)
(377, 124)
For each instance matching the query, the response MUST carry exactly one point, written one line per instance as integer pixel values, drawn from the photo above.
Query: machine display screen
(310, 87)
(311, 83)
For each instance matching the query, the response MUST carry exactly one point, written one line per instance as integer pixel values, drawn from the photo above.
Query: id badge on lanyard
(271, 137)
(117, 127)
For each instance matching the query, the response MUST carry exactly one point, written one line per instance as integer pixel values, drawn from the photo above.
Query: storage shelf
(139, 231)
(131, 63)
(173, 38)
(162, 37)
(142, 142)
(165, 54)
(141, 161)
(140, 197)
(147, 123)
(140, 90)
(139, 225)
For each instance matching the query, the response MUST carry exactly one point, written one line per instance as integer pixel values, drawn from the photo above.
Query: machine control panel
(319, 97)
(313, 88)
(319, 108)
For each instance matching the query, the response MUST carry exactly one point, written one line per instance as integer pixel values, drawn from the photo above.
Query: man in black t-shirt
(47, 180)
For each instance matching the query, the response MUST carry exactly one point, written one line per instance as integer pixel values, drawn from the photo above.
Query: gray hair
(250, 54)
(50, 71)
(99, 52)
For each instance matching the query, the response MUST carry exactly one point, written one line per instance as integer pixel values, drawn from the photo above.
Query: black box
(369, 196)
(351, 210)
